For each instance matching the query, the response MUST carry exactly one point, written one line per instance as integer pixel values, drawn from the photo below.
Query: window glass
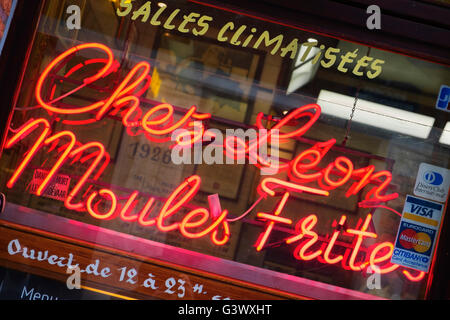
(116, 89)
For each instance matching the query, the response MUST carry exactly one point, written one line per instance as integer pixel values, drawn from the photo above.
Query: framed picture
(223, 179)
(216, 79)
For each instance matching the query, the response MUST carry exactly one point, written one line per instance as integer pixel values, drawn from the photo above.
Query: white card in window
(432, 182)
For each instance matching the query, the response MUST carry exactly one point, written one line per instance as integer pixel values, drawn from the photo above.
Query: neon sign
(156, 124)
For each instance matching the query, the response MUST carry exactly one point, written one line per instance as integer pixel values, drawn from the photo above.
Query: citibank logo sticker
(432, 182)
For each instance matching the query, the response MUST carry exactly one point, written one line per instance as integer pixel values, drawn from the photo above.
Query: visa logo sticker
(432, 182)
(423, 211)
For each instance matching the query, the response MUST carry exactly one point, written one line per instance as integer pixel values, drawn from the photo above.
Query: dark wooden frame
(408, 27)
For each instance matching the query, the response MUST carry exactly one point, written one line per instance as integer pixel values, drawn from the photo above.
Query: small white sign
(432, 182)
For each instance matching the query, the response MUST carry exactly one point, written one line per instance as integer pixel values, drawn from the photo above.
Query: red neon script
(158, 122)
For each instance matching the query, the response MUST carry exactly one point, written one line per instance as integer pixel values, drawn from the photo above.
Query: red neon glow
(226, 233)
(61, 159)
(86, 81)
(371, 204)
(272, 218)
(193, 183)
(185, 224)
(295, 115)
(298, 168)
(100, 155)
(190, 137)
(79, 66)
(73, 70)
(316, 152)
(373, 260)
(144, 212)
(412, 278)
(268, 184)
(237, 148)
(375, 192)
(133, 108)
(147, 124)
(124, 212)
(112, 197)
(151, 125)
(159, 122)
(298, 172)
(20, 135)
(364, 180)
(327, 252)
(142, 69)
(305, 228)
(359, 239)
(123, 93)
(347, 170)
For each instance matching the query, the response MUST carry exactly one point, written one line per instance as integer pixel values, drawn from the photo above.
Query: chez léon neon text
(158, 121)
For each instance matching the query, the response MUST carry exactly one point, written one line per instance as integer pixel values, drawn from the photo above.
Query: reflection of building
(206, 70)
(359, 155)
(5, 10)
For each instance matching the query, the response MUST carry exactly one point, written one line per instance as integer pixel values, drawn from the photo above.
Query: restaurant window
(91, 147)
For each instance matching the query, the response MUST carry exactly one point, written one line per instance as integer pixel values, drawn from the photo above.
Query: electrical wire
(246, 212)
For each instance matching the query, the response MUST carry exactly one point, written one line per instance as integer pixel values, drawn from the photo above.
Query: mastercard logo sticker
(418, 241)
